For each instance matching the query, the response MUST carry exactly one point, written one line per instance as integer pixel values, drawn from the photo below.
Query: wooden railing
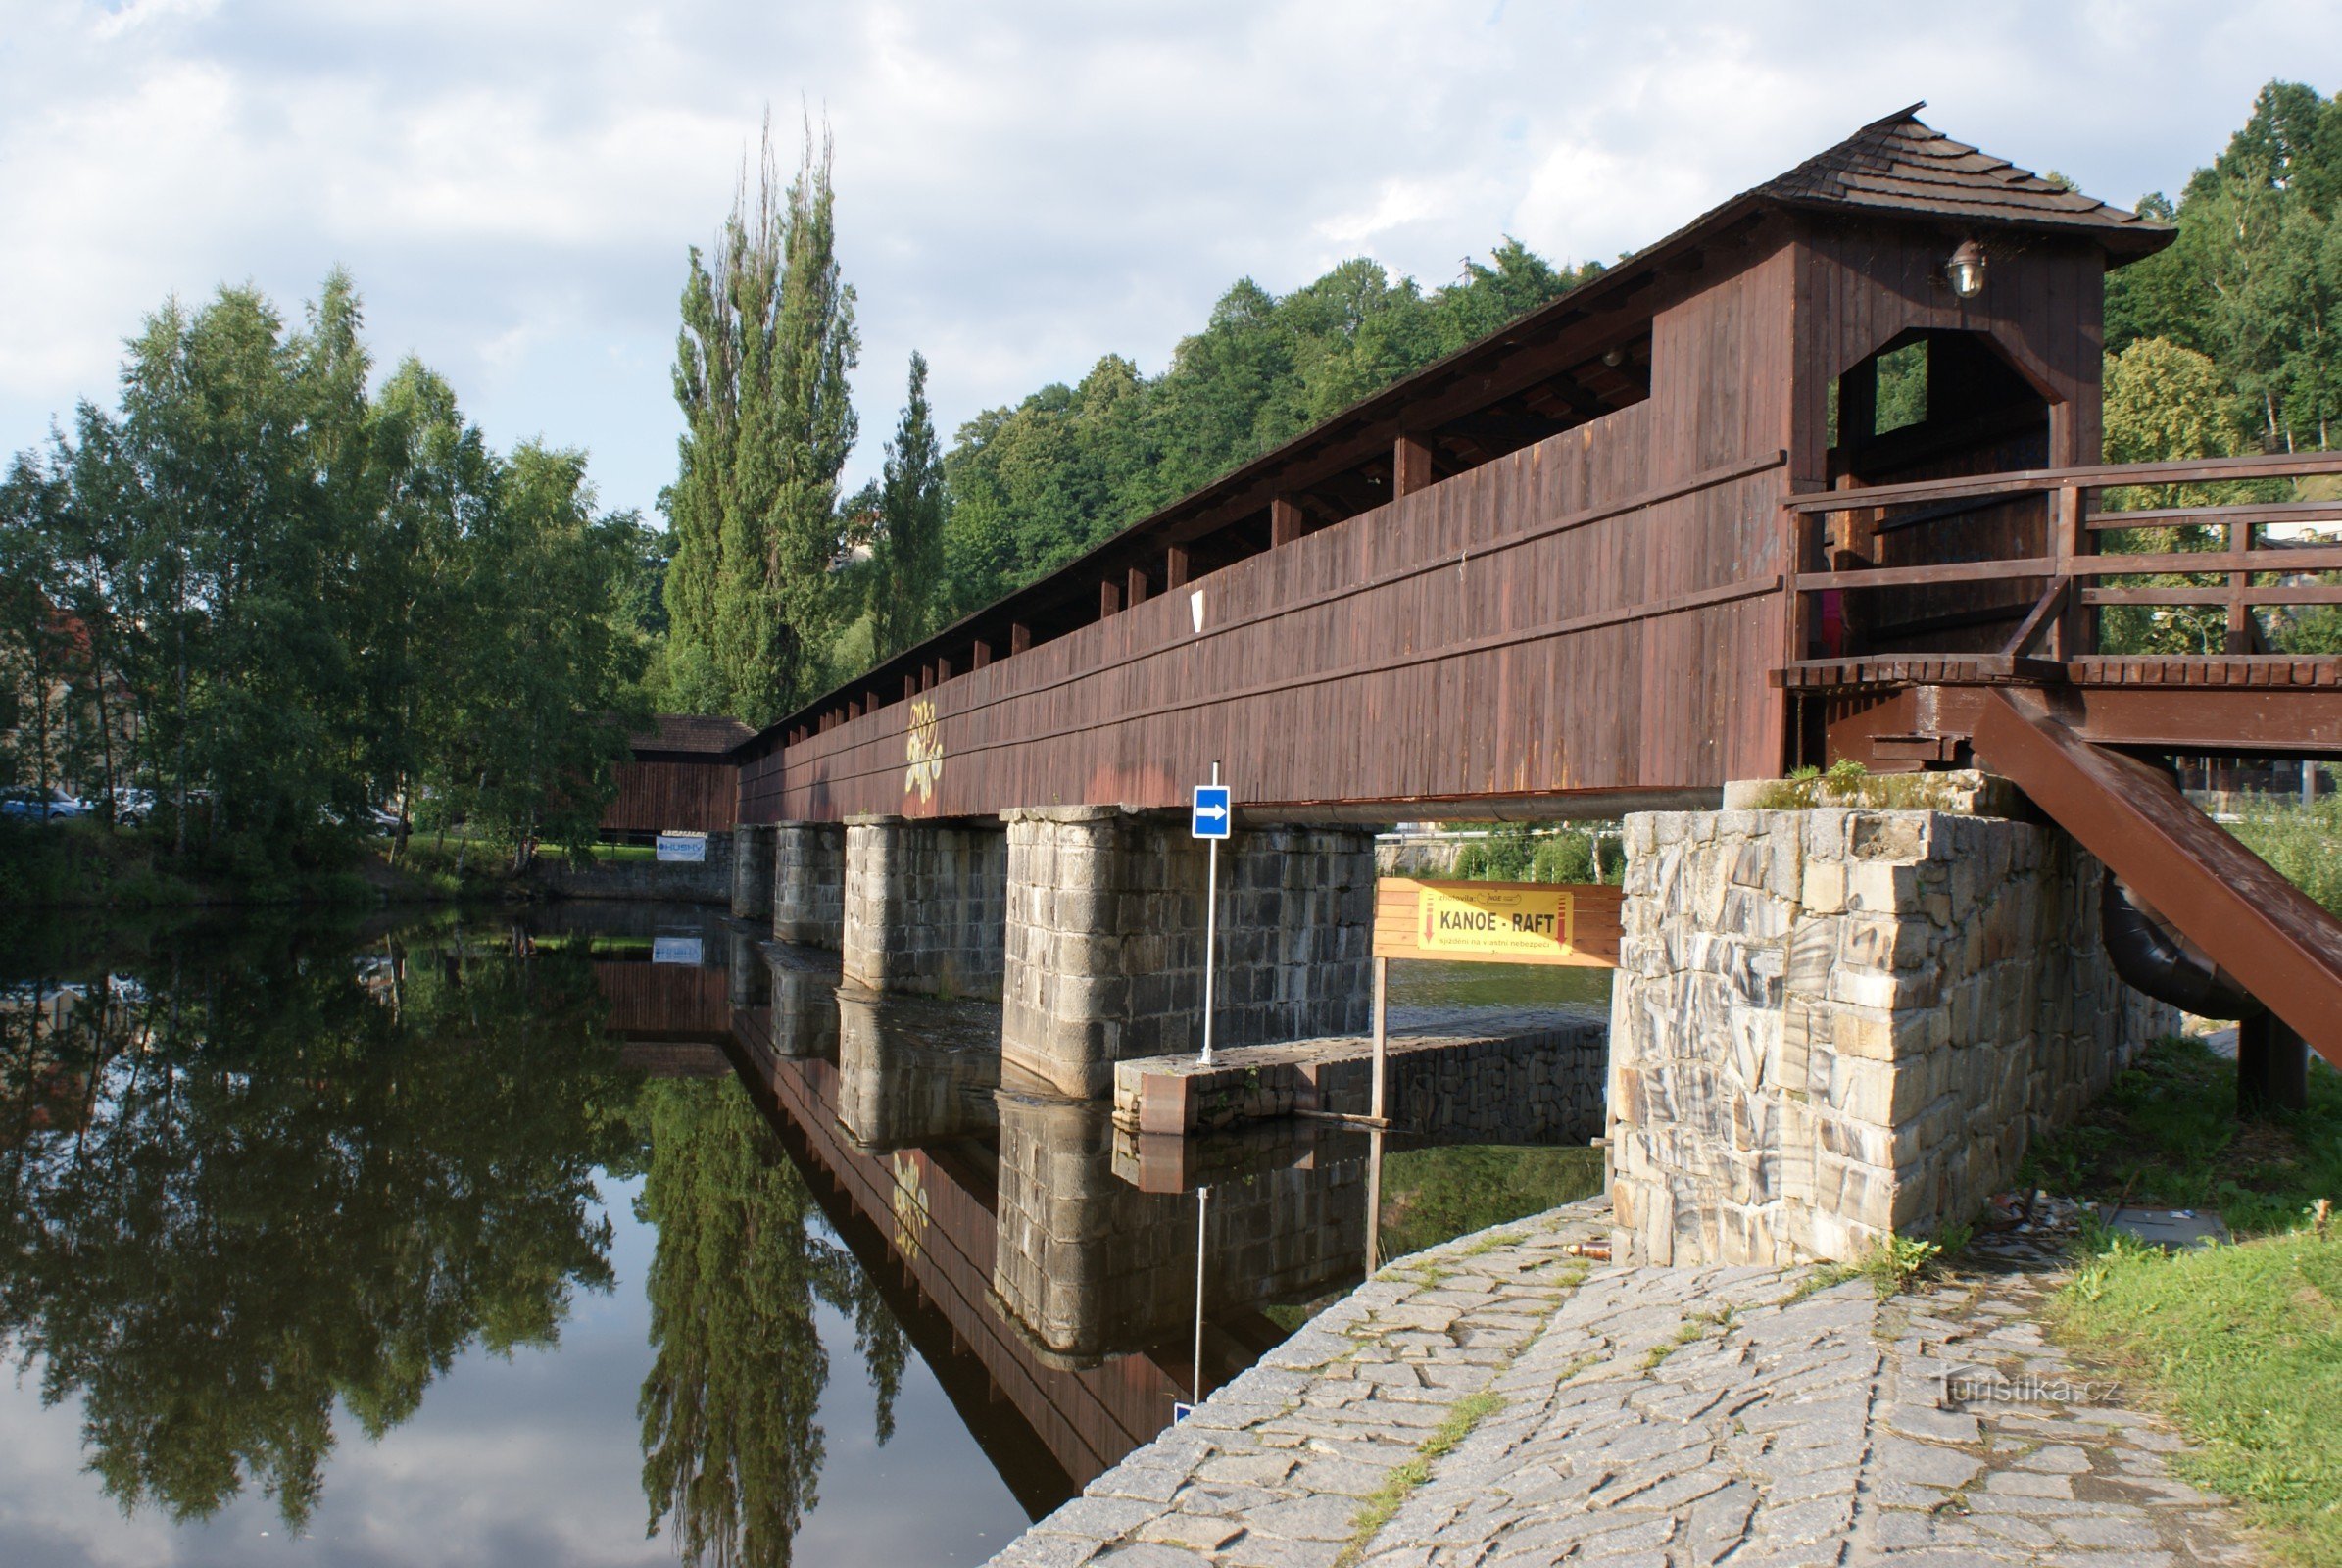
(2062, 621)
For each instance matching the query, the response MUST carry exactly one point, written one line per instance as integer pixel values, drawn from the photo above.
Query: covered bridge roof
(677, 735)
(1574, 359)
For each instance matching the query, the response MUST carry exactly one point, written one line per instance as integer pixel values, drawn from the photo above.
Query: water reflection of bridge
(1053, 1298)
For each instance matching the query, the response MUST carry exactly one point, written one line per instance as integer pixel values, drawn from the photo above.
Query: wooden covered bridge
(1816, 477)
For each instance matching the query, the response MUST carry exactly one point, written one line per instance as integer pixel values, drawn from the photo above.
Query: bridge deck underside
(1906, 710)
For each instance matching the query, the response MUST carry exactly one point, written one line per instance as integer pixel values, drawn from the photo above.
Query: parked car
(33, 805)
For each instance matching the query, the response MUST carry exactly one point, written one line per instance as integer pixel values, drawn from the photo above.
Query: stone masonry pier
(1832, 1023)
(923, 902)
(1623, 1414)
(808, 884)
(1105, 939)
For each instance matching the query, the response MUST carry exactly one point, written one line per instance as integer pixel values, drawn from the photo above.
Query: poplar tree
(908, 550)
(761, 372)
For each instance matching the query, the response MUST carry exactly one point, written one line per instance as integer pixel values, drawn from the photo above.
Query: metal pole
(1202, 1205)
(1381, 976)
(1211, 943)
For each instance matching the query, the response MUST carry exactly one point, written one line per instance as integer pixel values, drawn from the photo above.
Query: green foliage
(2223, 343)
(1516, 853)
(907, 547)
(1035, 485)
(2304, 843)
(267, 601)
(762, 363)
(2244, 1346)
(2166, 1132)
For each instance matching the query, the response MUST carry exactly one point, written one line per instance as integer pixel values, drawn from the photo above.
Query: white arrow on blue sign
(1212, 813)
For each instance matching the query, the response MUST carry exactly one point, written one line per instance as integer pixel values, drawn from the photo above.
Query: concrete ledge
(1528, 1076)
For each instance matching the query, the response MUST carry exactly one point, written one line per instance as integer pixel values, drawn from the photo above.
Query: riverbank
(1498, 1398)
(85, 866)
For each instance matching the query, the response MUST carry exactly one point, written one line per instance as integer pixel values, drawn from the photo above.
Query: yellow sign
(1515, 921)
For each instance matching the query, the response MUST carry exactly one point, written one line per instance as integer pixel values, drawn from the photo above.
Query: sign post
(1213, 813)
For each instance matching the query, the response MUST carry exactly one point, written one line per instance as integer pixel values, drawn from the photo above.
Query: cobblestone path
(1598, 1414)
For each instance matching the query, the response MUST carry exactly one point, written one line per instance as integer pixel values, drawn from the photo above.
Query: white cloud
(1023, 186)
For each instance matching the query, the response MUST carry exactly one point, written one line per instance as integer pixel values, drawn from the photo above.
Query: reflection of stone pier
(804, 1003)
(913, 1069)
(1091, 1263)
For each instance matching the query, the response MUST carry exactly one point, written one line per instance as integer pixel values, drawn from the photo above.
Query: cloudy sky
(1023, 186)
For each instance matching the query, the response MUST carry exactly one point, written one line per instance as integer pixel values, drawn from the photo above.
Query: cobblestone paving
(1651, 1416)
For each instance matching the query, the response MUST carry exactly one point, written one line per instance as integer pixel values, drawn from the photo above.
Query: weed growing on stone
(2243, 1344)
(1481, 1244)
(1384, 1500)
(1694, 1329)
(1895, 1263)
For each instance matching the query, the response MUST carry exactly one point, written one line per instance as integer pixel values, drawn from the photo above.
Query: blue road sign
(1213, 813)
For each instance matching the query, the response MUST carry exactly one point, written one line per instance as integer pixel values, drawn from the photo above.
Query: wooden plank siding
(1593, 614)
(694, 795)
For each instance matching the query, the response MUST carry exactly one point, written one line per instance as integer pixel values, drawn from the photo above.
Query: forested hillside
(1033, 486)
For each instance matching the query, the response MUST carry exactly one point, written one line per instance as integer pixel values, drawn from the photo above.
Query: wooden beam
(943, 669)
(1174, 567)
(1285, 521)
(1135, 585)
(853, 709)
(911, 687)
(982, 655)
(1020, 636)
(1109, 599)
(1410, 466)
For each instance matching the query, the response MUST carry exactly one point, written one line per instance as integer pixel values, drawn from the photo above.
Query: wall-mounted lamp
(1966, 270)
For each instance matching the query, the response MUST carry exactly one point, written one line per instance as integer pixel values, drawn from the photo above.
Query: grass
(1694, 1329)
(2303, 842)
(2166, 1133)
(2243, 1345)
(1385, 1499)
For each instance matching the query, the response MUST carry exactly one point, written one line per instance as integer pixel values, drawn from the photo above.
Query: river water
(609, 1234)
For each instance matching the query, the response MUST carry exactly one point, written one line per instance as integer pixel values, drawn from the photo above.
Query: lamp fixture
(1966, 270)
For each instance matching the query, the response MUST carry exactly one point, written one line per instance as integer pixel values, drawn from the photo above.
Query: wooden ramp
(2251, 922)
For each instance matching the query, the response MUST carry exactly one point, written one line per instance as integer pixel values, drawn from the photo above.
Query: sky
(1022, 186)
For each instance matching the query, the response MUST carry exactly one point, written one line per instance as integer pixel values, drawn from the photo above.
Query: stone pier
(752, 871)
(808, 884)
(1104, 951)
(1831, 1024)
(923, 905)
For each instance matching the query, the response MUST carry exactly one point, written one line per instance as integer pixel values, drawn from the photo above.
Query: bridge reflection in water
(1042, 1262)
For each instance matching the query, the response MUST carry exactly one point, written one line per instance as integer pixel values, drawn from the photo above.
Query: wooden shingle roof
(1900, 165)
(690, 735)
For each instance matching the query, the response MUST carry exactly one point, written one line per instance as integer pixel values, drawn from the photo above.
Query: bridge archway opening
(1934, 404)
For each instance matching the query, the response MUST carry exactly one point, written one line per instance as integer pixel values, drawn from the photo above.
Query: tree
(1035, 485)
(908, 552)
(761, 372)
